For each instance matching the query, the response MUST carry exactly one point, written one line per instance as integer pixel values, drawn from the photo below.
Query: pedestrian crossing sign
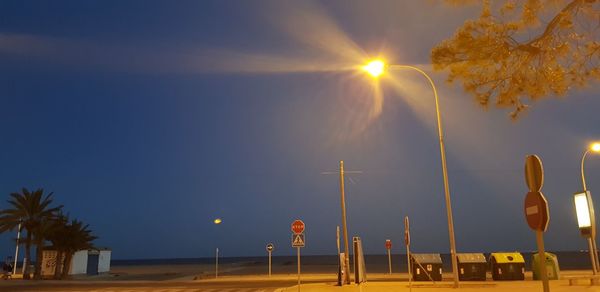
(298, 240)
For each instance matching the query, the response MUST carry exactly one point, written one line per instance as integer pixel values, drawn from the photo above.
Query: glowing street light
(375, 68)
(218, 221)
(590, 230)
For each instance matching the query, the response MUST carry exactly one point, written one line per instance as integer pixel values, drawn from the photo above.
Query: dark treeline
(44, 222)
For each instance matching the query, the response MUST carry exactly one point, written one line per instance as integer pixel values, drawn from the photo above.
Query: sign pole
(536, 210)
(407, 242)
(269, 264)
(298, 268)
(542, 257)
(409, 268)
(217, 264)
(390, 260)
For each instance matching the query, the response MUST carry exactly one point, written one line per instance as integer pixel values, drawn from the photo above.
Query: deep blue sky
(149, 119)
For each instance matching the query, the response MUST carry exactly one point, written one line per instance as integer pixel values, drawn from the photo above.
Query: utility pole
(344, 226)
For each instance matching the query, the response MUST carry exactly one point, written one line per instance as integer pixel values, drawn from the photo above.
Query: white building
(90, 262)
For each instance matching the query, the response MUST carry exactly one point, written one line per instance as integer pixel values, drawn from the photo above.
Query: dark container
(507, 266)
(471, 266)
(426, 265)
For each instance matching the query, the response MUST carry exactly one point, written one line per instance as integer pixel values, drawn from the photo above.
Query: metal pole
(389, 260)
(445, 174)
(542, 257)
(298, 268)
(269, 264)
(592, 238)
(409, 268)
(592, 258)
(17, 249)
(217, 264)
(344, 226)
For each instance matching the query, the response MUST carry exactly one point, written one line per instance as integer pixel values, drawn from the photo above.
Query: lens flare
(218, 221)
(375, 68)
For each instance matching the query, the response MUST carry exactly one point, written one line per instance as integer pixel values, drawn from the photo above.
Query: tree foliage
(32, 210)
(519, 50)
(43, 223)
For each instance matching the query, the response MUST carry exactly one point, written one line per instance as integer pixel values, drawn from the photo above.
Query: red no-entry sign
(388, 244)
(298, 226)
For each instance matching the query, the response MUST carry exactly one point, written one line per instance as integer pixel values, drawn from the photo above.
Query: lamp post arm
(437, 105)
(582, 172)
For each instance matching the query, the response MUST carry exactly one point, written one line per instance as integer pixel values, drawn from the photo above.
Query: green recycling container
(552, 269)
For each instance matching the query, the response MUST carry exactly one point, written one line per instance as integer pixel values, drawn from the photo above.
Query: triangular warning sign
(298, 240)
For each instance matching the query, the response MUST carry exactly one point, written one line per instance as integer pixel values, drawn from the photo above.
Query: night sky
(150, 119)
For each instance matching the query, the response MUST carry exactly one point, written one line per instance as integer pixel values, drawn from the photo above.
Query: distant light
(583, 210)
(375, 68)
(595, 147)
(218, 221)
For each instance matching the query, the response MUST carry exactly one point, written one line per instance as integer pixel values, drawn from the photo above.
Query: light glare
(375, 68)
(218, 221)
(595, 147)
(583, 211)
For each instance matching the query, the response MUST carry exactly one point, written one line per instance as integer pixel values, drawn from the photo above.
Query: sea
(567, 260)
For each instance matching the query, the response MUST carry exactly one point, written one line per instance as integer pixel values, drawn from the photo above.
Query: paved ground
(287, 283)
(191, 286)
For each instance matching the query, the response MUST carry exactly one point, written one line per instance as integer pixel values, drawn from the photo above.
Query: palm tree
(59, 239)
(42, 233)
(77, 237)
(30, 208)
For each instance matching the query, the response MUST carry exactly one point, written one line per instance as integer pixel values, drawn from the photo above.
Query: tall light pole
(376, 68)
(594, 147)
(346, 268)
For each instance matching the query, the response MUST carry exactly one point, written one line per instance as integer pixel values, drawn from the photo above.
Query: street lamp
(586, 221)
(217, 221)
(594, 147)
(376, 68)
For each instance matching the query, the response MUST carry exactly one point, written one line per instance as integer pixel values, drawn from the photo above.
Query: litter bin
(507, 266)
(552, 268)
(471, 266)
(424, 264)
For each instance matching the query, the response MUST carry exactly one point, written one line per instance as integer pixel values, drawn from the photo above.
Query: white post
(217, 264)
(269, 263)
(24, 265)
(17, 249)
(298, 268)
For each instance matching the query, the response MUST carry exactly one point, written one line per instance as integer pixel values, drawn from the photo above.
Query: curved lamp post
(594, 147)
(375, 68)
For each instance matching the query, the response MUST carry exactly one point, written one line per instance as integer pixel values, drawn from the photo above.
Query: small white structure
(104, 261)
(90, 262)
(79, 263)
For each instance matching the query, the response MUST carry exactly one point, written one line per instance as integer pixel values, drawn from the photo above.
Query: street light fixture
(585, 213)
(377, 67)
(594, 147)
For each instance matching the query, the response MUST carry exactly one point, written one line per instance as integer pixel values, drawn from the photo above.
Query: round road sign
(270, 247)
(536, 211)
(388, 244)
(534, 173)
(298, 226)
